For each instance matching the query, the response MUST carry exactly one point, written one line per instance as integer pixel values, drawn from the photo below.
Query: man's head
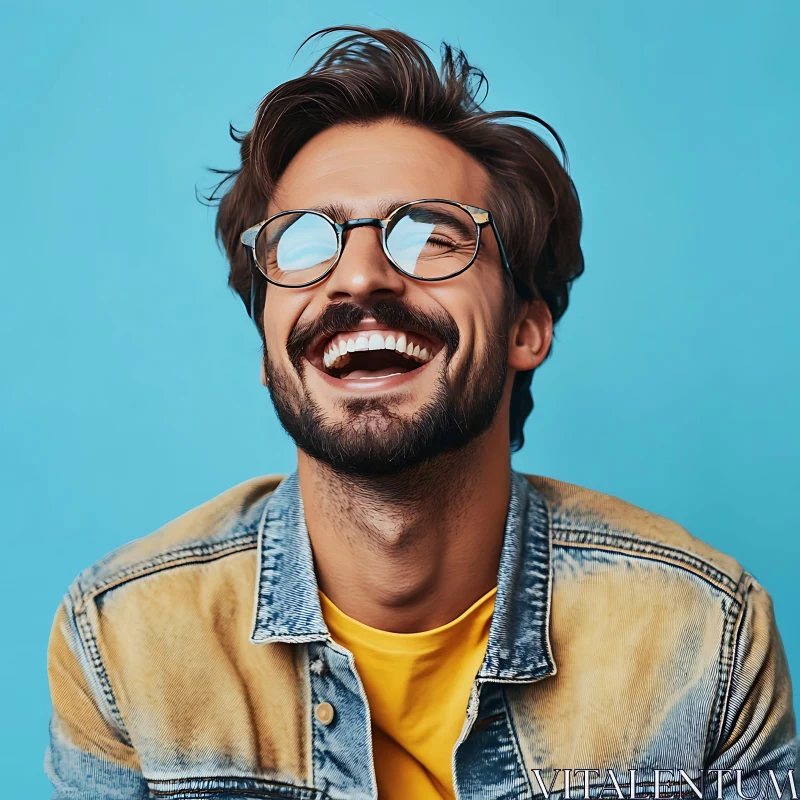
(369, 128)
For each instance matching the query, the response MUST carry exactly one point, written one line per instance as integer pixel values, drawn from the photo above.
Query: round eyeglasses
(428, 240)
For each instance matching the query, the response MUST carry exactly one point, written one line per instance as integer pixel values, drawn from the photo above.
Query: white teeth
(337, 354)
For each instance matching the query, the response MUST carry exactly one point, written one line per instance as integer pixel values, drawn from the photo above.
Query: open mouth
(365, 354)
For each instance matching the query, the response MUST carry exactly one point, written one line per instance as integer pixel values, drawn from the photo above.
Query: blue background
(130, 388)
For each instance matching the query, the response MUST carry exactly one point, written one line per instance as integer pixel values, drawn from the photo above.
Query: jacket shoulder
(228, 523)
(580, 515)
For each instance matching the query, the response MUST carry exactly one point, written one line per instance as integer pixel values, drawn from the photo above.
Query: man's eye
(439, 241)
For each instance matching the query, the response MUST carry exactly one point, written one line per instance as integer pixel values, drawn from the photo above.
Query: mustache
(389, 313)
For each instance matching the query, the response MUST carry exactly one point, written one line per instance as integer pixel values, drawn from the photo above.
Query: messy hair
(368, 75)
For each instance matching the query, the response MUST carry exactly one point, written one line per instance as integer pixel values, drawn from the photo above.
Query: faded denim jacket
(189, 664)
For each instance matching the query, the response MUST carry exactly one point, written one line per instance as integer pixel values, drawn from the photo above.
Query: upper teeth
(340, 346)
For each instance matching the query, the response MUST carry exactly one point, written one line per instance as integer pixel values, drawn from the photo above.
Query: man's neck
(410, 552)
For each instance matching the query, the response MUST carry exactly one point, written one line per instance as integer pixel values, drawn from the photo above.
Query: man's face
(384, 411)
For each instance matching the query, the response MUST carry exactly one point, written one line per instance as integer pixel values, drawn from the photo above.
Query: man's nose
(364, 274)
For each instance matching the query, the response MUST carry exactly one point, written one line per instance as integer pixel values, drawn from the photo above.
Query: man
(405, 616)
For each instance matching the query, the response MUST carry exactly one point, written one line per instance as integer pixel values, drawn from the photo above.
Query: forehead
(361, 166)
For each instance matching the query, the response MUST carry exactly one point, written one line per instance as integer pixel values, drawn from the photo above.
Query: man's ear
(531, 336)
(264, 378)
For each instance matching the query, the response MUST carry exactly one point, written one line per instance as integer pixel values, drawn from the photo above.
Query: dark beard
(373, 440)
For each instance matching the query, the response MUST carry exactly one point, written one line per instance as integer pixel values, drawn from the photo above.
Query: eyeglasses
(428, 240)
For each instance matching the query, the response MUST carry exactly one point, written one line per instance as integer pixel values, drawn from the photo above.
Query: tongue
(375, 373)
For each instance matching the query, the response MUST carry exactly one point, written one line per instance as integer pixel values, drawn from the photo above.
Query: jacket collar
(287, 607)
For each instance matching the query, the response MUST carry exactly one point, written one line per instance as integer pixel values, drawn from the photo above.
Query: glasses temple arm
(256, 282)
(521, 288)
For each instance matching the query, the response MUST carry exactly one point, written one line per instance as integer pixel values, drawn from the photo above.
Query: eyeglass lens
(426, 240)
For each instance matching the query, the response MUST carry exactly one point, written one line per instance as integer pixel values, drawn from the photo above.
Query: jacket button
(319, 667)
(324, 713)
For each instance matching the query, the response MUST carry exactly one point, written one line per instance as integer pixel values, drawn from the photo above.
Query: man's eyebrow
(339, 212)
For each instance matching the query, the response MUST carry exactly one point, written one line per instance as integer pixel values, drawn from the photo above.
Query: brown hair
(369, 75)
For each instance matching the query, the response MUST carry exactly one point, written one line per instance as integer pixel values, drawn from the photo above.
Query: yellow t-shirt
(417, 687)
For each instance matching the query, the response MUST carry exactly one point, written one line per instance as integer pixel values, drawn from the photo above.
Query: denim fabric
(189, 664)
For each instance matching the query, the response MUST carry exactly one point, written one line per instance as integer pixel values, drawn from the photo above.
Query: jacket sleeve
(758, 732)
(88, 757)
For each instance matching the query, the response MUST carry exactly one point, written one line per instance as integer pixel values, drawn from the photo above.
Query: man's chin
(377, 423)
(370, 445)
(366, 437)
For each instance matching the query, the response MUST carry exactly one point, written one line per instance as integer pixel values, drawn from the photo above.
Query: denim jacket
(190, 663)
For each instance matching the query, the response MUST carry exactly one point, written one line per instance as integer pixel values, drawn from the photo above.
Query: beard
(372, 439)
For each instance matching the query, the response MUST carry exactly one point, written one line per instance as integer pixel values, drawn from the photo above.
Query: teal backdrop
(130, 374)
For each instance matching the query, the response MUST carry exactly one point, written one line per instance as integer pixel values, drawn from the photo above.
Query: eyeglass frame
(480, 216)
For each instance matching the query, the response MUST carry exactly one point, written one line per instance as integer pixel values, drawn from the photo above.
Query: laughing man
(405, 616)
